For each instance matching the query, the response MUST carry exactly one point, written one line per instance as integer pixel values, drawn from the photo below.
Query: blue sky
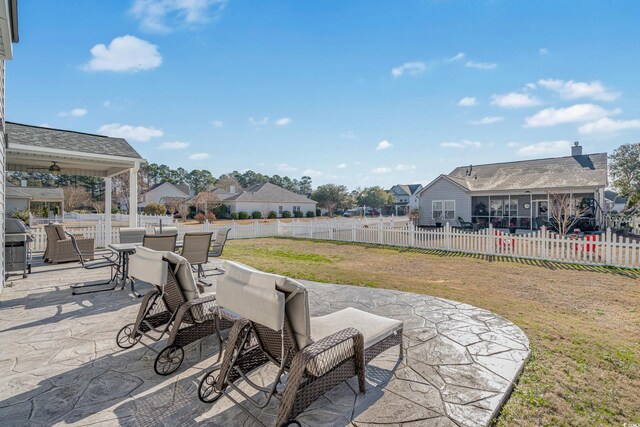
(353, 92)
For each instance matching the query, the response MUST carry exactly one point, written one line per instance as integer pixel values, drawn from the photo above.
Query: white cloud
(546, 148)
(106, 104)
(515, 100)
(284, 121)
(199, 156)
(543, 51)
(530, 86)
(574, 90)
(607, 125)
(312, 173)
(348, 135)
(403, 167)
(173, 145)
(457, 57)
(381, 170)
(461, 144)
(217, 123)
(574, 114)
(411, 68)
(283, 167)
(131, 133)
(481, 65)
(76, 112)
(487, 120)
(468, 101)
(384, 145)
(163, 16)
(126, 53)
(259, 122)
(342, 166)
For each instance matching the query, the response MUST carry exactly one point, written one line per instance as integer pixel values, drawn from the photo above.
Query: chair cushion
(60, 230)
(374, 328)
(147, 265)
(184, 275)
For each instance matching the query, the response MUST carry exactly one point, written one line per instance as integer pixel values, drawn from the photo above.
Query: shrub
(211, 216)
(221, 211)
(256, 215)
(318, 212)
(155, 209)
(272, 215)
(298, 214)
(286, 214)
(243, 215)
(311, 214)
(234, 215)
(21, 215)
(200, 217)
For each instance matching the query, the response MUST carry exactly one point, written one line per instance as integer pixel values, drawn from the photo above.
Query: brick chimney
(576, 150)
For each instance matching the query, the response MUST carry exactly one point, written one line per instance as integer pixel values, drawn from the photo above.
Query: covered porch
(46, 150)
(529, 210)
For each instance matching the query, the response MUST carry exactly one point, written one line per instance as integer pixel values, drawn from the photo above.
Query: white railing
(603, 249)
(73, 217)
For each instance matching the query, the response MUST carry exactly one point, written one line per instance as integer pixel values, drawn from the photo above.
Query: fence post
(447, 236)
(412, 234)
(490, 244)
(278, 228)
(607, 247)
(380, 233)
(353, 230)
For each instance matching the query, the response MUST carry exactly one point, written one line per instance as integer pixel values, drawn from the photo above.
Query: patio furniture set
(266, 316)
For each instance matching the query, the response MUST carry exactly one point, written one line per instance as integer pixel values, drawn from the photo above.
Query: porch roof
(36, 194)
(34, 149)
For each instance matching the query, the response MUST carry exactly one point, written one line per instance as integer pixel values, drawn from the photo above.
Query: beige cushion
(148, 265)
(261, 297)
(170, 231)
(184, 274)
(374, 328)
(60, 230)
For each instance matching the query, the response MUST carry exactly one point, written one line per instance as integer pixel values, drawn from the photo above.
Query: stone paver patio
(59, 363)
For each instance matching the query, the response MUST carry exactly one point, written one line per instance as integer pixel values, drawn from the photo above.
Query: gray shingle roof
(588, 170)
(268, 192)
(69, 140)
(39, 193)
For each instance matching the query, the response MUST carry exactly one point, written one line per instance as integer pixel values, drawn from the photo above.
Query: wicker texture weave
(62, 250)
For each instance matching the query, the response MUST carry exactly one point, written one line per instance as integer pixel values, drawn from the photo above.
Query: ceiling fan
(54, 168)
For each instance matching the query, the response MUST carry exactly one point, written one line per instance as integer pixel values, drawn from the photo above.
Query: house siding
(444, 190)
(3, 162)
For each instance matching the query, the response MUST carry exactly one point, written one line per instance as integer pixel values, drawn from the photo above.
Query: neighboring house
(405, 198)
(268, 197)
(8, 36)
(34, 199)
(514, 193)
(615, 202)
(166, 194)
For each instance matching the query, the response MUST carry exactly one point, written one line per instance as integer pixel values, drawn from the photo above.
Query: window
(513, 207)
(443, 209)
(436, 210)
(449, 209)
(296, 208)
(280, 210)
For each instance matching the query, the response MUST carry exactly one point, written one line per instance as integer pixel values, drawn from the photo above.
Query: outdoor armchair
(195, 248)
(165, 230)
(160, 242)
(315, 354)
(174, 309)
(60, 247)
(132, 234)
(465, 225)
(107, 260)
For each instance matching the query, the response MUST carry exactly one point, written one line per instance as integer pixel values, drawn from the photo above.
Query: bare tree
(76, 198)
(565, 213)
(206, 200)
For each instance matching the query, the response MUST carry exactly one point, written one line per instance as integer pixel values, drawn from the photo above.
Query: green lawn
(583, 322)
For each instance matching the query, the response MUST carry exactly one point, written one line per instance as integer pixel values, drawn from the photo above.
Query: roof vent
(576, 150)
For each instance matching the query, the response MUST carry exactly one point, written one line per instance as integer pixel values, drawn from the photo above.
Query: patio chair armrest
(201, 309)
(318, 357)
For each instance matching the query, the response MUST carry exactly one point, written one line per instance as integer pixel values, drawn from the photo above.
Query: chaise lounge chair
(174, 308)
(315, 354)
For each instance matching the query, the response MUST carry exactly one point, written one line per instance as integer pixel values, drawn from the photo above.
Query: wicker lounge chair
(174, 309)
(160, 242)
(195, 248)
(275, 327)
(165, 230)
(60, 248)
(132, 234)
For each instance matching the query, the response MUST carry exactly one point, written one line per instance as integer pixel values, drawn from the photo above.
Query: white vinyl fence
(73, 217)
(603, 249)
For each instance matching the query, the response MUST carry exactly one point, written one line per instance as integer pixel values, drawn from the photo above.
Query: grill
(17, 253)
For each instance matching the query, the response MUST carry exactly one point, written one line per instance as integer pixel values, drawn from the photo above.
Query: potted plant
(437, 217)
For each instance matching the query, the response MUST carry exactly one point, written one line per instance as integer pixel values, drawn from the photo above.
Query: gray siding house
(514, 194)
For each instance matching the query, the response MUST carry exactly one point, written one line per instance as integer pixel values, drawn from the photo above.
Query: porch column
(107, 211)
(133, 195)
(530, 211)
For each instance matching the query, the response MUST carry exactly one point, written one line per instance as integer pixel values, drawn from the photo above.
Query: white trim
(5, 31)
(30, 149)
